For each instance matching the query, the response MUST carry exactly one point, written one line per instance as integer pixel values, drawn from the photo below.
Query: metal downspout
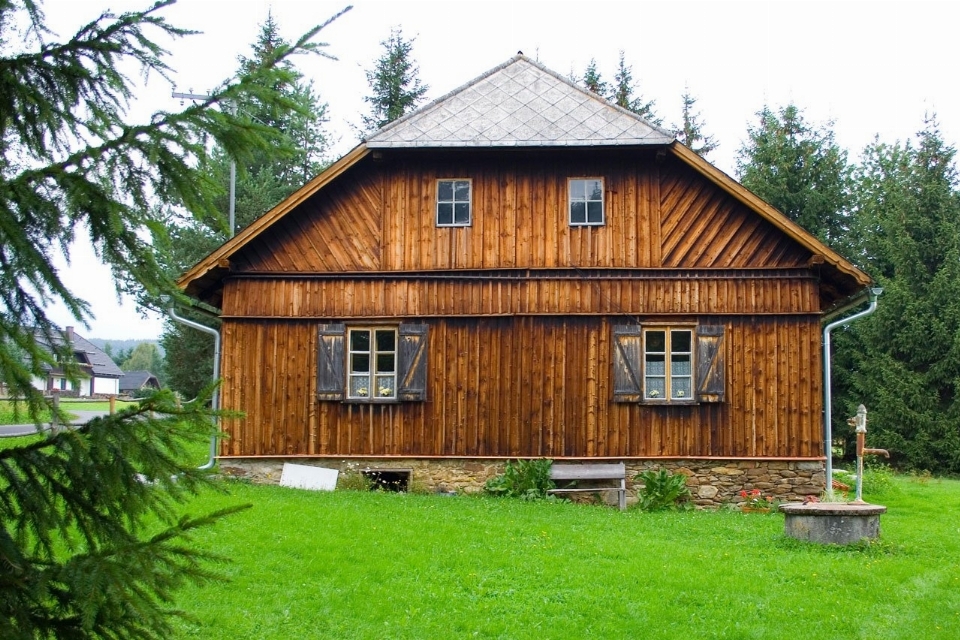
(827, 386)
(215, 401)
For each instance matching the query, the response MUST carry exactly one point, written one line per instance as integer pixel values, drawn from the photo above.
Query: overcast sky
(873, 68)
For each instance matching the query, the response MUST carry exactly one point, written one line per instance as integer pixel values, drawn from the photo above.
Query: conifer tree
(623, 93)
(394, 81)
(690, 131)
(592, 81)
(91, 544)
(263, 180)
(800, 170)
(905, 361)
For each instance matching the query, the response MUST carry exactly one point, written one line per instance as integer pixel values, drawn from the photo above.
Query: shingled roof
(519, 104)
(88, 356)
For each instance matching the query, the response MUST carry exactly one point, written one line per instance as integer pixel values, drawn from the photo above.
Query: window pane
(360, 386)
(655, 387)
(386, 386)
(577, 189)
(445, 213)
(680, 365)
(578, 212)
(680, 341)
(595, 189)
(681, 388)
(595, 212)
(385, 363)
(655, 366)
(445, 190)
(386, 341)
(360, 363)
(656, 341)
(462, 191)
(461, 213)
(360, 341)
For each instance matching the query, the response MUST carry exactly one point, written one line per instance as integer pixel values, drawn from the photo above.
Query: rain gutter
(215, 401)
(872, 294)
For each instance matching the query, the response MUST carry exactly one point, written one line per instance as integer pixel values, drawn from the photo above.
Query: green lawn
(374, 565)
(9, 416)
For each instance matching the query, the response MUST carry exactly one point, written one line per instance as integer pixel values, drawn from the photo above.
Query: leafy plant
(661, 490)
(527, 479)
(352, 481)
(756, 500)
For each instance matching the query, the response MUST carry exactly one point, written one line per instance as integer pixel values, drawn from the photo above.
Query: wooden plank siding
(381, 217)
(512, 294)
(520, 308)
(525, 386)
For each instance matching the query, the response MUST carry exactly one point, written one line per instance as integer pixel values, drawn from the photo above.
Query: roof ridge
(572, 115)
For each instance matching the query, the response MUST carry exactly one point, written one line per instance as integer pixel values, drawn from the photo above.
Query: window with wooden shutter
(668, 364)
(627, 354)
(330, 360)
(372, 364)
(412, 362)
(711, 363)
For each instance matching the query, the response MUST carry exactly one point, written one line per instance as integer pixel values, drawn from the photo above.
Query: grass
(375, 565)
(9, 416)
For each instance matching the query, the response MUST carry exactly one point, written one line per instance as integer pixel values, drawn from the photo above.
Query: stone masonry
(712, 483)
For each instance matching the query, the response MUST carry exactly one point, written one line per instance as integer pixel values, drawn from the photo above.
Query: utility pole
(233, 164)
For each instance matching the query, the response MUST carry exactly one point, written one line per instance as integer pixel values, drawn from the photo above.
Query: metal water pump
(860, 422)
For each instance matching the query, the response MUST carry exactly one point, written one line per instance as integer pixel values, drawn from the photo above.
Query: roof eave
(771, 214)
(221, 255)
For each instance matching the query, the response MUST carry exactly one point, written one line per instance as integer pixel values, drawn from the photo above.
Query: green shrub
(351, 481)
(527, 479)
(661, 490)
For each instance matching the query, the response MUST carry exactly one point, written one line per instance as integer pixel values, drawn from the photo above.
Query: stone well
(832, 522)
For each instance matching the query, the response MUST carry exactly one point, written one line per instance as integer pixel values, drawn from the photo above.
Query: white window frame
(453, 202)
(586, 200)
(381, 386)
(674, 389)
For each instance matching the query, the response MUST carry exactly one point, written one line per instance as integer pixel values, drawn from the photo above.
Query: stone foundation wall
(712, 482)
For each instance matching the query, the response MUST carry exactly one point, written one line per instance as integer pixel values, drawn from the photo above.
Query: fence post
(55, 411)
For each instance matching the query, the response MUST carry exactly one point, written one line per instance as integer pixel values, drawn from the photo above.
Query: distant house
(133, 381)
(99, 374)
(521, 269)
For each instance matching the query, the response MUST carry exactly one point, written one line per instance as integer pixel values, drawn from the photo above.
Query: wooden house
(94, 372)
(521, 269)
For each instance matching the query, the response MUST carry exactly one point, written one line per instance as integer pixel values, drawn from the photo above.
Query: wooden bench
(592, 472)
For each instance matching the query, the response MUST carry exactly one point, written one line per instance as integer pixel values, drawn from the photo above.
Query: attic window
(453, 203)
(586, 201)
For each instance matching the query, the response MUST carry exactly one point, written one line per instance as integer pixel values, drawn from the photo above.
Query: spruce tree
(800, 170)
(906, 362)
(394, 81)
(263, 180)
(91, 543)
(592, 81)
(623, 93)
(690, 131)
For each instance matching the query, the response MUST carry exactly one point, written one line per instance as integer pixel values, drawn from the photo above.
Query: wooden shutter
(627, 355)
(711, 363)
(412, 362)
(331, 359)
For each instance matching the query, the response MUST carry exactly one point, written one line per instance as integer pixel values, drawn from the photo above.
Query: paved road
(10, 430)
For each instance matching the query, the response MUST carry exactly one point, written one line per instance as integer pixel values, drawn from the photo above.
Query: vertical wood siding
(381, 216)
(525, 386)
